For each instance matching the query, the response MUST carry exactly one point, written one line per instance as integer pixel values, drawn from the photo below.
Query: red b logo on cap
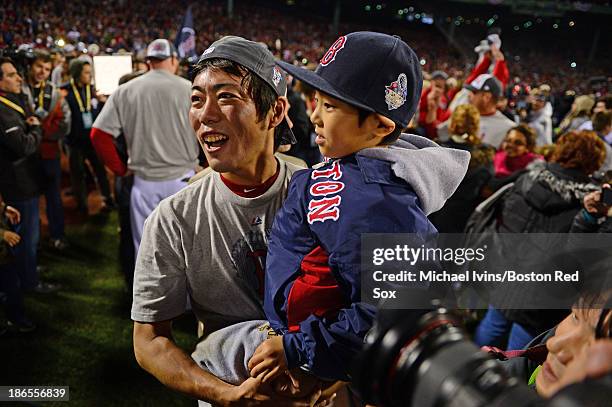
(330, 55)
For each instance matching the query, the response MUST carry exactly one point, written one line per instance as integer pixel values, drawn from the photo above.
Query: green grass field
(84, 335)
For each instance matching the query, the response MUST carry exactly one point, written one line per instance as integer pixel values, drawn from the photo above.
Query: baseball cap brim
(470, 87)
(314, 80)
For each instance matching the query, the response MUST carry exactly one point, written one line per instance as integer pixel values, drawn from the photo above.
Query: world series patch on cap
(255, 57)
(372, 71)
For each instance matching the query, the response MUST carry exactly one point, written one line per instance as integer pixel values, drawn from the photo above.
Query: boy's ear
(382, 125)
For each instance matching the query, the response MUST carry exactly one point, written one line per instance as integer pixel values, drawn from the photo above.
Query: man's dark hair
(391, 137)
(601, 120)
(262, 94)
(5, 60)
(607, 100)
(42, 56)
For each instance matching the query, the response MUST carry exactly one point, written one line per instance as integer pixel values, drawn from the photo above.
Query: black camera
(425, 359)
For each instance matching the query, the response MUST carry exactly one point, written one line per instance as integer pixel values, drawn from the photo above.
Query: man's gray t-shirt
(208, 243)
(493, 128)
(152, 111)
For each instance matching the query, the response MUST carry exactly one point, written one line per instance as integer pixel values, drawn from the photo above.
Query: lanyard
(78, 96)
(41, 95)
(12, 105)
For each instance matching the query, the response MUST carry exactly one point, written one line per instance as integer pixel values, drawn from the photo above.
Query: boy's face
(337, 127)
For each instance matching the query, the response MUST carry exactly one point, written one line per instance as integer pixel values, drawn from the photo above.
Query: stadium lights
(573, 64)
(490, 22)
(516, 28)
(422, 61)
(571, 23)
(378, 7)
(368, 8)
(555, 26)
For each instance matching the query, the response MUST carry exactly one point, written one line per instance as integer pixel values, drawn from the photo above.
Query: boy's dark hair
(391, 137)
(262, 94)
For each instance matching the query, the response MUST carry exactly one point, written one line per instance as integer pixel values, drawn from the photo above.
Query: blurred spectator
(464, 130)
(578, 114)
(51, 108)
(484, 92)
(515, 154)
(540, 118)
(433, 106)
(84, 107)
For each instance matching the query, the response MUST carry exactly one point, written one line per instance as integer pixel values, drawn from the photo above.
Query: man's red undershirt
(251, 191)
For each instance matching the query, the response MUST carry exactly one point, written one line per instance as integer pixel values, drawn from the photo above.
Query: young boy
(367, 89)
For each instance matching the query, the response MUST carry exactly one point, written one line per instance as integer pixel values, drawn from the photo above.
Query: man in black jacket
(20, 172)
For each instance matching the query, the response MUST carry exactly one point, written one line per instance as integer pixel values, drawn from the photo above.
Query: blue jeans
(55, 210)
(494, 328)
(9, 284)
(25, 252)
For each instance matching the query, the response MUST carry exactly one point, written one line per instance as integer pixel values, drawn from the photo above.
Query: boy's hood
(434, 172)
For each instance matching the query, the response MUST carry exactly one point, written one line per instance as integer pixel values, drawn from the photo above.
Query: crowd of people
(282, 298)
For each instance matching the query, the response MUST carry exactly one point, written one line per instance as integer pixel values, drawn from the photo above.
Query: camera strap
(536, 353)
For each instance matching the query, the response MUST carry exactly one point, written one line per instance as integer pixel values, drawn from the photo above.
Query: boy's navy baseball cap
(255, 57)
(376, 72)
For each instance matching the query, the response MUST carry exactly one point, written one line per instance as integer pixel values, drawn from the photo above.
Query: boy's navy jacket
(377, 190)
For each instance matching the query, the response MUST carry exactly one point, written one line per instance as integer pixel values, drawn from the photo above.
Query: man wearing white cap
(152, 112)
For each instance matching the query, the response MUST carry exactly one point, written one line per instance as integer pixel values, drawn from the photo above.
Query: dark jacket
(545, 199)
(586, 223)
(453, 217)
(20, 166)
(79, 135)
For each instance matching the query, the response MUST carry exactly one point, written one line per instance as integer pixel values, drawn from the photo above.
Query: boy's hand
(11, 238)
(13, 215)
(269, 358)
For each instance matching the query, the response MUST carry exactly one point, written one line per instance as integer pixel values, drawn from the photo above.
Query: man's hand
(11, 238)
(12, 214)
(269, 358)
(253, 392)
(101, 97)
(33, 121)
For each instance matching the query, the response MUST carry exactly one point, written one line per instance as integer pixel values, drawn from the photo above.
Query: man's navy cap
(486, 83)
(376, 72)
(255, 57)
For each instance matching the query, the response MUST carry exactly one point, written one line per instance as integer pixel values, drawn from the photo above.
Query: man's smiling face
(224, 118)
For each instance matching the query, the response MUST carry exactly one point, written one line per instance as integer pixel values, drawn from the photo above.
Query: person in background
(515, 153)
(464, 130)
(51, 108)
(433, 105)
(578, 114)
(20, 173)
(85, 105)
(540, 118)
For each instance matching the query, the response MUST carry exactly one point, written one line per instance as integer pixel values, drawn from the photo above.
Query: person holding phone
(597, 210)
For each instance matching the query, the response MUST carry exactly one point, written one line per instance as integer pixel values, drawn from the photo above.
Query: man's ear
(279, 111)
(381, 126)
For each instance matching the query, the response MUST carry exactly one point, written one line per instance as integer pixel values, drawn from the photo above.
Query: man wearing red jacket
(433, 106)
